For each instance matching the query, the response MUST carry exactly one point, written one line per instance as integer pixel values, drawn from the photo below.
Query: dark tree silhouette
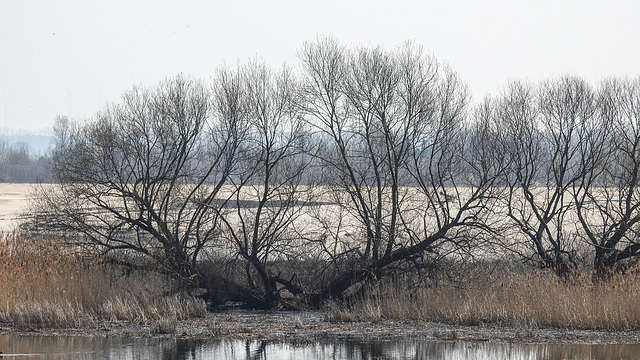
(391, 120)
(140, 182)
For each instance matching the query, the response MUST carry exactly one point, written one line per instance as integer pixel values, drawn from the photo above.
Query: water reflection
(113, 348)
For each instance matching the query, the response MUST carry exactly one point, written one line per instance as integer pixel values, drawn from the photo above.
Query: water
(114, 348)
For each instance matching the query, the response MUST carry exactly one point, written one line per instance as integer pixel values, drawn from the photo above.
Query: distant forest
(19, 163)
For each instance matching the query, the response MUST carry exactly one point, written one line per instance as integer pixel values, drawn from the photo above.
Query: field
(14, 200)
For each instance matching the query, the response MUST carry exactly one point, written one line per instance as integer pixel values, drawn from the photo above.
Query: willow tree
(546, 131)
(608, 197)
(139, 183)
(271, 188)
(392, 124)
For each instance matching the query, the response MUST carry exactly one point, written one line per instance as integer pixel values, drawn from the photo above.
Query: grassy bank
(45, 286)
(535, 300)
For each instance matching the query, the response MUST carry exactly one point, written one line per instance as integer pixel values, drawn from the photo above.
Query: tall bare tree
(393, 120)
(608, 205)
(139, 183)
(545, 130)
(270, 190)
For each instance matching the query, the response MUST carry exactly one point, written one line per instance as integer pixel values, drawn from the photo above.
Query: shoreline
(311, 326)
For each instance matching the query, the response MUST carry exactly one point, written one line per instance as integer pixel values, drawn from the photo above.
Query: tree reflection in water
(116, 348)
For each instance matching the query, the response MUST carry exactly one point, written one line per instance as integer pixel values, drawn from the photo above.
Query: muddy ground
(310, 326)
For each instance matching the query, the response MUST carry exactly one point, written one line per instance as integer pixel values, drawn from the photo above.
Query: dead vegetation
(44, 285)
(532, 300)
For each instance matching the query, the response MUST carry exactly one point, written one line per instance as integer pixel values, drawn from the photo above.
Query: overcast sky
(73, 57)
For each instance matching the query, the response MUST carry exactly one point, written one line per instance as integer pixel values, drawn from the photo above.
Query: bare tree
(269, 191)
(139, 183)
(608, 205)
(391, 119)
(545, 132)
(455, 164)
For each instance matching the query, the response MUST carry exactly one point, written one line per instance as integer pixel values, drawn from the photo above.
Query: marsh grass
(535, 300)
(44, 285)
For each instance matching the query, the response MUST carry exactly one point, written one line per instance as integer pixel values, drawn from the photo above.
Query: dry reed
(43, 285)
(537, 300)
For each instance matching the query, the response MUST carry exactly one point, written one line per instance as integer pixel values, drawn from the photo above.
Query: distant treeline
(20, 164)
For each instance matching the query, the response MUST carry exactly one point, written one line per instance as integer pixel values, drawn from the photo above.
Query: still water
(77, 347)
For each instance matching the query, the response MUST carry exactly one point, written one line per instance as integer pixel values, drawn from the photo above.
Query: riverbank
(51, 292)
(311, 326)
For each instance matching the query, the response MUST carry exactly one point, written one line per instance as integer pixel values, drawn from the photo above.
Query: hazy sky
(73, 57)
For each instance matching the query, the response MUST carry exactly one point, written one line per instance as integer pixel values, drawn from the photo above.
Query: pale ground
(14, 200)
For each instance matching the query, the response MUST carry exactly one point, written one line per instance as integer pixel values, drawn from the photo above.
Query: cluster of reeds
(45, 285)
(534, 300)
